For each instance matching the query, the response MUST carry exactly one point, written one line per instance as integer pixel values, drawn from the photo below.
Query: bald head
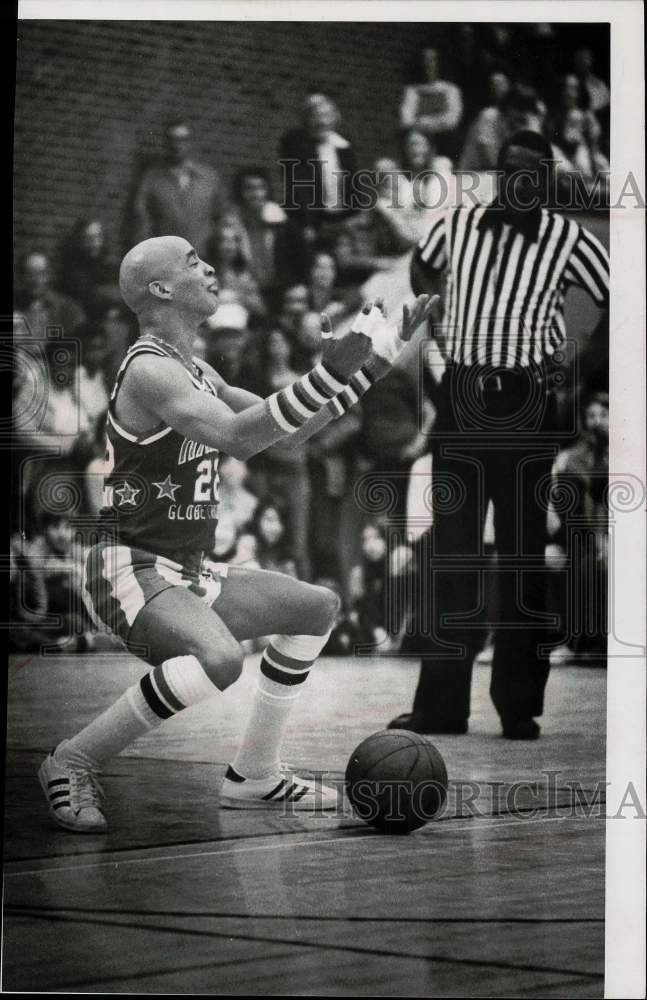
(154, 260)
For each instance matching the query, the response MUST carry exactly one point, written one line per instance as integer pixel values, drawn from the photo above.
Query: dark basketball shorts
(119, 581)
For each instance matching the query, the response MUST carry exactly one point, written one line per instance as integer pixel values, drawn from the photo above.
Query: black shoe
(521, 729)
(415, 722)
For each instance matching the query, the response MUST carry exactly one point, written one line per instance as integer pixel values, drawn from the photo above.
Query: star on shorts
(127, 494)
(167, 489)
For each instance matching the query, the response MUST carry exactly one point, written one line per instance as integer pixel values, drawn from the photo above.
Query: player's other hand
(348, 353)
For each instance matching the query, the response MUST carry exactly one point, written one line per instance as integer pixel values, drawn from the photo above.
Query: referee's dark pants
(494, 438)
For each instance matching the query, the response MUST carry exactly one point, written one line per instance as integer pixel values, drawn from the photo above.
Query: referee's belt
(504, 380)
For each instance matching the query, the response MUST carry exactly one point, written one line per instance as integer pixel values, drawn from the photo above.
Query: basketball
(396, 781)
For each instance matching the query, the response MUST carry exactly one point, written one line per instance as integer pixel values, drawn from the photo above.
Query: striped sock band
(175, 684)
(282, 669)
(360, 383)
(295, 404)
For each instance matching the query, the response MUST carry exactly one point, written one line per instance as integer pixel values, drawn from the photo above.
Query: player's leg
(255, 602)
(195, 656)
(299, 616)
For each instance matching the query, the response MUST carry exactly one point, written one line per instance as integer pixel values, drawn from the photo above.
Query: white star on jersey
(166, 488)
(127, 494)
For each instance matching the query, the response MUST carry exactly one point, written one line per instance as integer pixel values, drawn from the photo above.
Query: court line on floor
(111, 911)
(248, 848)
(59, 917)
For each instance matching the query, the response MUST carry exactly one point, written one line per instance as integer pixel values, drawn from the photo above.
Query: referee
(506, 268)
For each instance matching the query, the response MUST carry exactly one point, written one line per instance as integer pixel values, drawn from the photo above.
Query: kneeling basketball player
(170, 417)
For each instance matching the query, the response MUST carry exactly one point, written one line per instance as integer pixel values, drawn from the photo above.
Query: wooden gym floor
(180, 897)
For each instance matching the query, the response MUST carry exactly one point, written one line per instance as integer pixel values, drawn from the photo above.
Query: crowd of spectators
(283, 253)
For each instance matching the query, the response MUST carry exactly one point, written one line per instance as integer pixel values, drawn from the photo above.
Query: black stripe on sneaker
(232, 775)
(300, 794)
(275, 790)
(58, 781)
(62, 805)
(282, 676)
(153, 701)
(288, 792)
(57, 795)
(164, 689)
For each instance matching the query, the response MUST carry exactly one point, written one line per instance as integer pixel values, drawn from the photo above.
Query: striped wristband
(360, 383)
(295, 404)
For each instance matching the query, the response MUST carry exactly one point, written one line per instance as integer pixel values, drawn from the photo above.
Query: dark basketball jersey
(161, 488)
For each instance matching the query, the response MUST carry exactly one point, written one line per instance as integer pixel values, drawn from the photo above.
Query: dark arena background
(502, 892)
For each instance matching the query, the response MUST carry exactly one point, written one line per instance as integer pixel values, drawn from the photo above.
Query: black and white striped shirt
(505, 294)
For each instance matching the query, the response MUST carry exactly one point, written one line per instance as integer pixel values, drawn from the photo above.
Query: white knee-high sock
(161, 693)
(285, 665)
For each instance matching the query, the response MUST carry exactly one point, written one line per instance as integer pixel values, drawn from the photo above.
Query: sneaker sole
(60, 822)
(226, 802)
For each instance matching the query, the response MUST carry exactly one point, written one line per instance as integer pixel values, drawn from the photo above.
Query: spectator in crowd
(89, 272)
(316, 184)
(391, 437)
(27, 600)
(38, 305)
(576, 132)
(119, 332)
(93, 388)
(433, 185)
(60, 561)
(330, 459)
(295, 304)
(272, 245)
(498, 89)
(322, 290)
(282, 470)
(579, 537)
(233, 271)
(236, 505)
(270, 527)
(226, 342)
(597, 90)
(180, 196)
(375, 588)
(467, 65)
(435, 106)
(493, 125)
(50, 415)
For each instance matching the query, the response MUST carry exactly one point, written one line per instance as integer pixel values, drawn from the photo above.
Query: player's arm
(164, 393)
(237, 399)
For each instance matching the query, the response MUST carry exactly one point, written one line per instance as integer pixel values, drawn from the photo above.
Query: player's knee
(327, 609)
(223, 664)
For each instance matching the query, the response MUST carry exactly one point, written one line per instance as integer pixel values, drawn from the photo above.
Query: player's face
(194, 285)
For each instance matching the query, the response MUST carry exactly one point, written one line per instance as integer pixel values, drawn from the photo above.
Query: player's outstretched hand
(348, 353)
(387, 338)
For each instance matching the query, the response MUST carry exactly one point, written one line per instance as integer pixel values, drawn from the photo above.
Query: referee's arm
(588, 267)
(429, 261)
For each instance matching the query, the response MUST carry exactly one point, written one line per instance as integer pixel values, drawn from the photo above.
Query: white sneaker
(73, 795)
(280, 791)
